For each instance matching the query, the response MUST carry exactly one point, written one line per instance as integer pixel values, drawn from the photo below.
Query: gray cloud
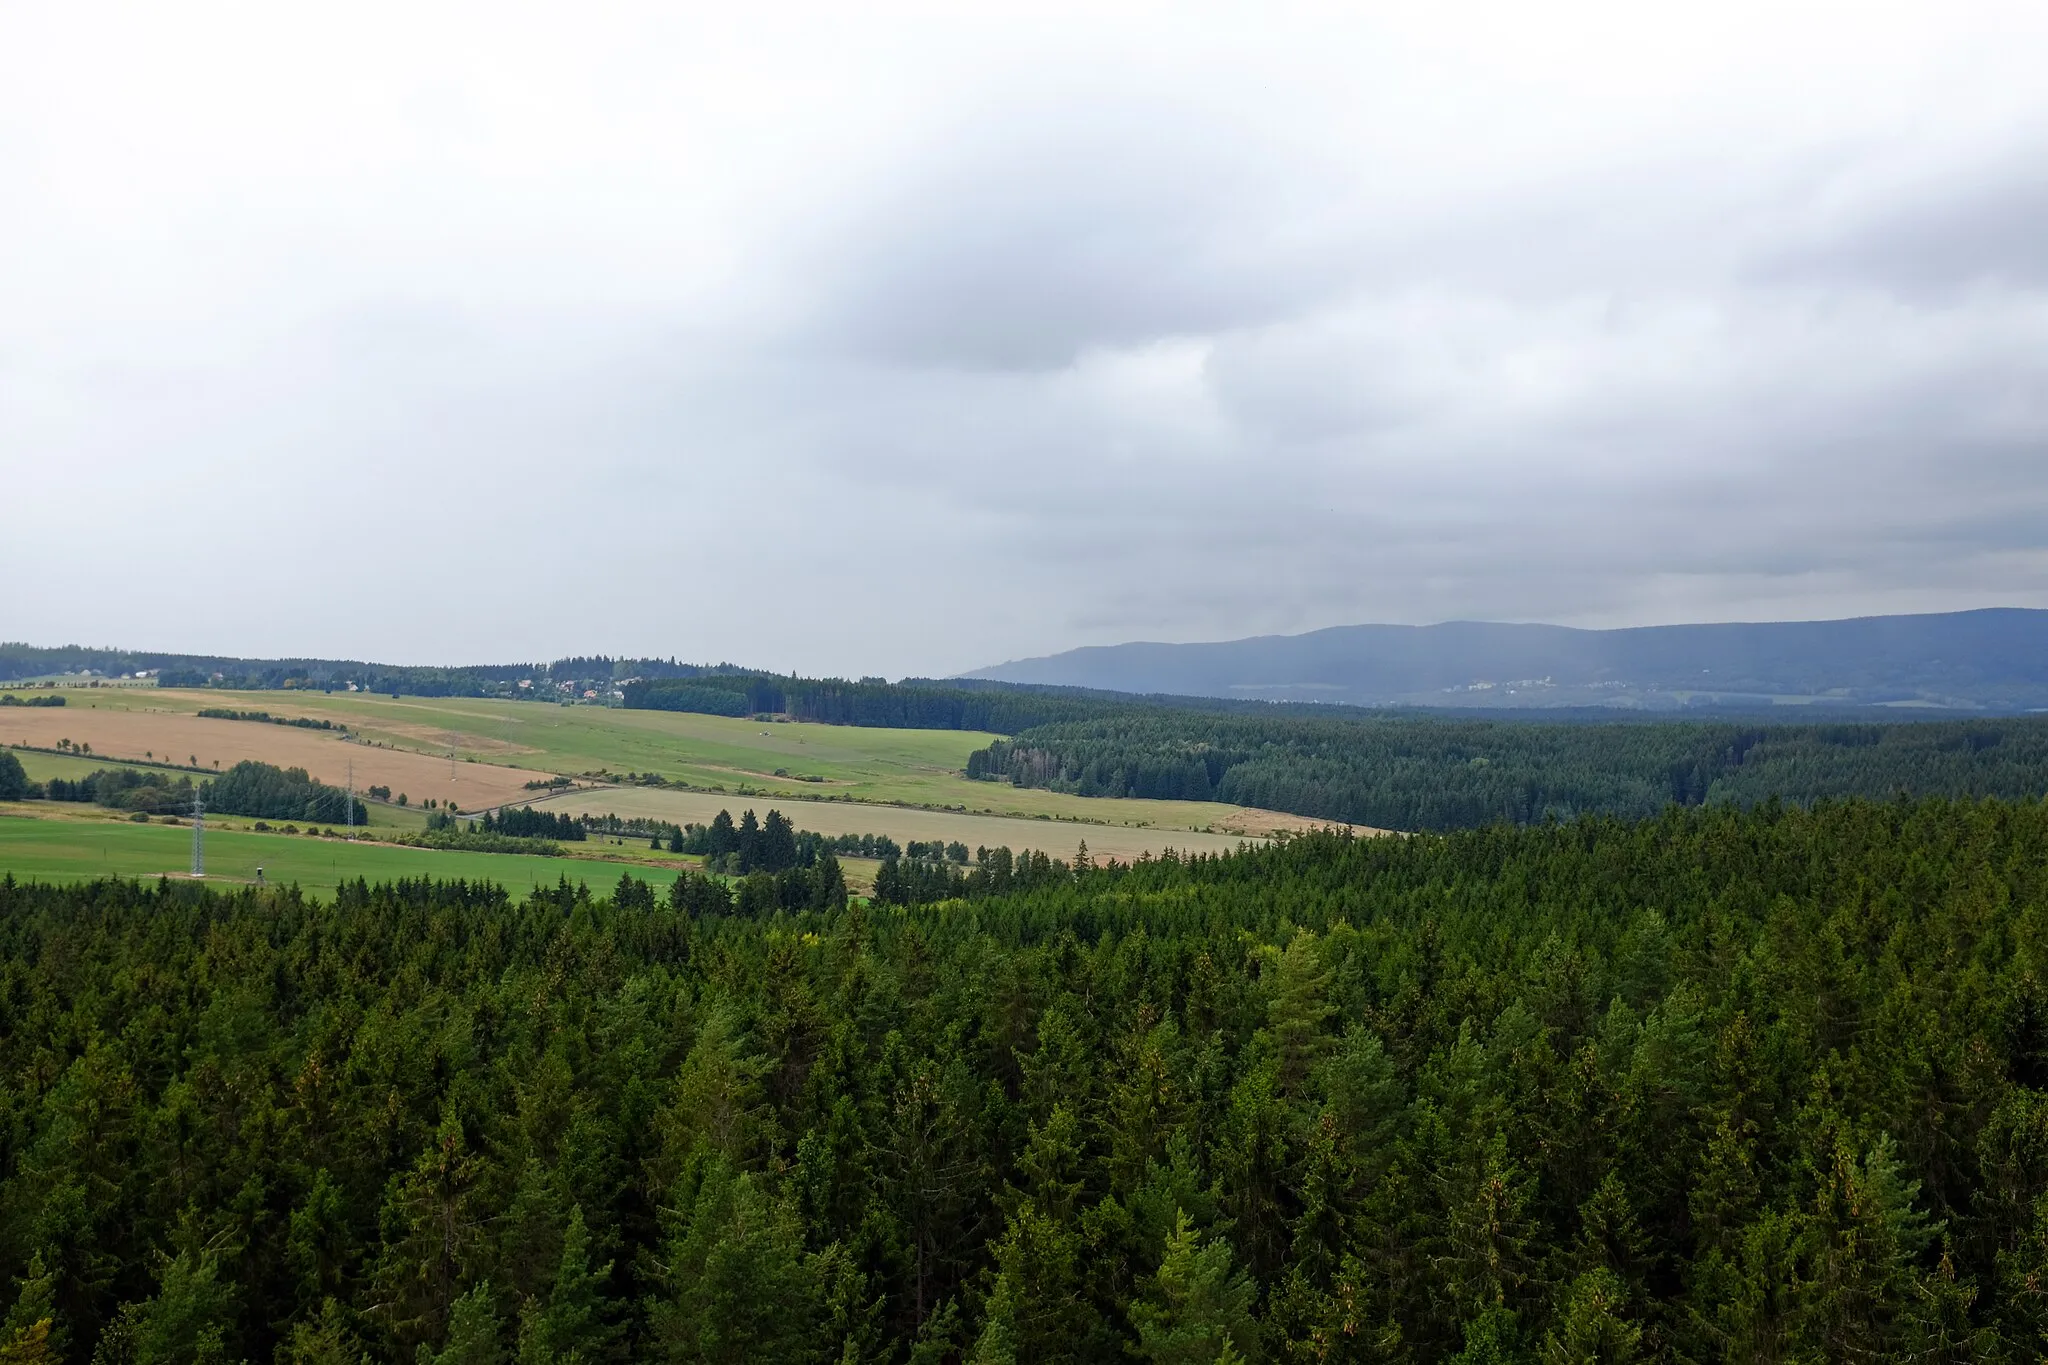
(1024, 236)
(905, 347)
(1983, 223)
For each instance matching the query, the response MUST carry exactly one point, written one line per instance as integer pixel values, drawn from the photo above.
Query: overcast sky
(854, 340)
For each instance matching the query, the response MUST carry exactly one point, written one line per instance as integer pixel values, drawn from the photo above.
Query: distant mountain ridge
(1994, 659)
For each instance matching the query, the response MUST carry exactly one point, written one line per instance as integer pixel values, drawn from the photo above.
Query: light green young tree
(1198, 1310)
(475, 1335)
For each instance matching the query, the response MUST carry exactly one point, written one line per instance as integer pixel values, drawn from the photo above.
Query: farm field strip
(44, 849)
(1058, 838)
(734, 760)
(913, 767)
(122, 733)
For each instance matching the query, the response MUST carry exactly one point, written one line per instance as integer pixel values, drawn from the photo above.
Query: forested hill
(1725, 1085)
(1996, 660)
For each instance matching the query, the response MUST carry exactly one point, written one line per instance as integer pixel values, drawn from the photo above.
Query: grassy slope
(910, 767)
(37, 843)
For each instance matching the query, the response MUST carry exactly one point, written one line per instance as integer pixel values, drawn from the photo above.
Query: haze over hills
(1991, 660)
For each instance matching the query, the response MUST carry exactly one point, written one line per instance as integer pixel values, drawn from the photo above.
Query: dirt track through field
(175, 737)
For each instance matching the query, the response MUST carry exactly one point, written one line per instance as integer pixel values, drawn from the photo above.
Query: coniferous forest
(1716, 1085)
(1410, 772)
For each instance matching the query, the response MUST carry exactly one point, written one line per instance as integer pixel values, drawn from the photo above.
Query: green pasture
(738, 757)
(57, 849)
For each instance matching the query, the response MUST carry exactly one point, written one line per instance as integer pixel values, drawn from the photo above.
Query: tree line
(302, 722)
(249, 788)
(528, 823)
(836, 701)
(19, 660)
(1765, 1084)
(773, 845)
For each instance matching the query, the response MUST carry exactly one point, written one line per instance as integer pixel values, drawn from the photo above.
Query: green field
(36, 846)
(739, 758)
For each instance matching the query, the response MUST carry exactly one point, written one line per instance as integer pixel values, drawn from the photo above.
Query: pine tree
(1300, 1009)
(189, 1319)
(997, 1343)
(777, 846)
(1861, 1240)
(572, 1326)
(1042, 1265)
(747, 842)
(432, 1233)
(475, 1334)
(324, 1340)
(317, 1239)
(1594, 1329)
(828, 882)
(739, 1287)
(1198, 1309)
(31, 1335)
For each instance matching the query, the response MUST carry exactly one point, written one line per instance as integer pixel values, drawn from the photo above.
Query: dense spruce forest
(1433, 773)
(1724, 1084)
(872, 702)
(1399, 769)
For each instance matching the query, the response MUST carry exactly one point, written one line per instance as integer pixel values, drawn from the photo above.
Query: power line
(198, 834)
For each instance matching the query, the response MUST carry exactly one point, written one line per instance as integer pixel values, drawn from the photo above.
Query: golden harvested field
(124, 733)
(1056, 837)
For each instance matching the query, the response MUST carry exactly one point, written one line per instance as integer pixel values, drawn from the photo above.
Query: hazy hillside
(1994, 659)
